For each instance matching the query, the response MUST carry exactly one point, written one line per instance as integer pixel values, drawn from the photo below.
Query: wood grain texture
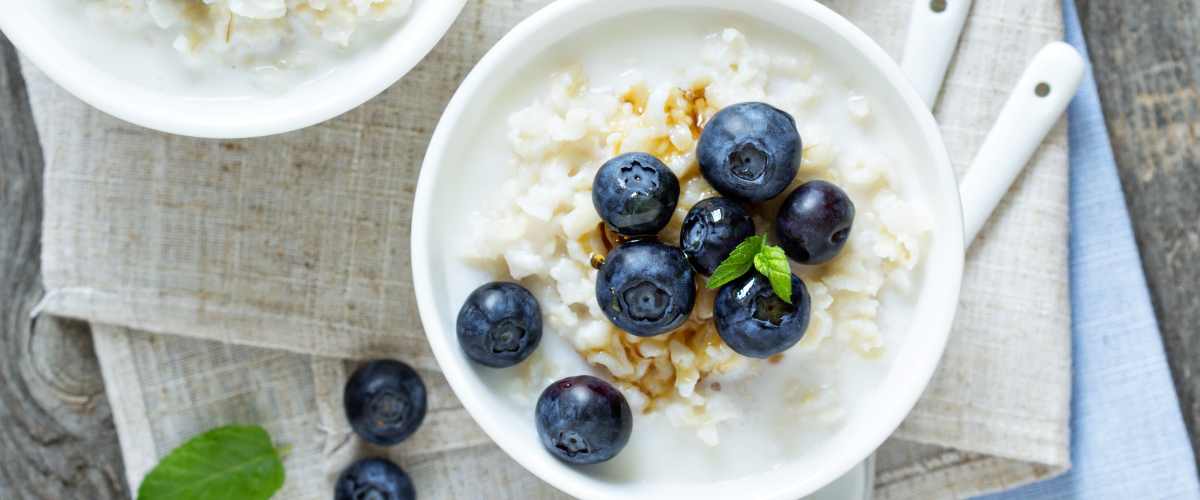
(1147, 62)
(57, 439)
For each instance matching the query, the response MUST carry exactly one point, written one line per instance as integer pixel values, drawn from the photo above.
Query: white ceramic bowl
(451, 185)
(40, 32)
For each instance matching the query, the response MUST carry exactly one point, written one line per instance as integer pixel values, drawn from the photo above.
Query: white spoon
(1039, 99)
(933, 33)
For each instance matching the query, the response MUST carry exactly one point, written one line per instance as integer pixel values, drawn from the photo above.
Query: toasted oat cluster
(252, 32)
(543, 230)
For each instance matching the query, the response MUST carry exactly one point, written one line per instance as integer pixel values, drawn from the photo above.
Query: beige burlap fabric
(298, 245)
(168, 388)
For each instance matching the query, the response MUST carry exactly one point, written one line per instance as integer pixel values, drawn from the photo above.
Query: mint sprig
(772, 262)
(754, 252)
(738, 262)
(226, 462)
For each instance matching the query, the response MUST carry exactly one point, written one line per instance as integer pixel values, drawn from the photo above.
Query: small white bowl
(451, 186)
(60, 47)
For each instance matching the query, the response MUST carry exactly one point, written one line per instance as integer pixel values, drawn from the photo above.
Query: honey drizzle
(690, 107)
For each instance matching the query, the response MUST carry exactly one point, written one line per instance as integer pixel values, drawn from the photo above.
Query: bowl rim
(110, 94)
(518, 39)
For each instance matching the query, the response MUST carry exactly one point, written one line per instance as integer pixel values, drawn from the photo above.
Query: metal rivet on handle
(1042, 89)
(937, 5)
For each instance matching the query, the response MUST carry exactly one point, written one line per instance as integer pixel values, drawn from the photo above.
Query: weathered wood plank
(1147, 61)
(57, 439)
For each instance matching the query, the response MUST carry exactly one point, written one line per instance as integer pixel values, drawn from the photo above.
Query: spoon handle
(1041, 96)
(933, 35)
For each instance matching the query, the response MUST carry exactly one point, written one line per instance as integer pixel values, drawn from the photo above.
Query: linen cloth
(1129, 439)
(298, 243)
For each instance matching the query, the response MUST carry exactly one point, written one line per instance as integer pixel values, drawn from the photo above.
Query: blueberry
(385, 401)
(583, 420)
(646, 288)
(711, 230)
(755, 322)
(374, 479)
(499, 325)
(750, 151)
(814, 222)
(635, 194)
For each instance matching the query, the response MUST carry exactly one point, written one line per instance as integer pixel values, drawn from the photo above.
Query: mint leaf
(772, 262)
(227, 462)
(738, 262)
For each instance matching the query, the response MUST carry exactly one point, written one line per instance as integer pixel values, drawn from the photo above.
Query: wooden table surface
(57, 439)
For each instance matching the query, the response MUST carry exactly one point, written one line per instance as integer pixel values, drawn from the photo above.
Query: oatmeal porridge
(251, 33)
(541, 229)
(225, 48)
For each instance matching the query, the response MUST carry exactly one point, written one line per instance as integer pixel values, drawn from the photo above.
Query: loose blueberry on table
(635, 194)
(384, 402)
(374, 479)
(814, 222)
(754, 321)
(711, 230)
(499, 325)
(583, 420)
(750, 151)
(646, 288)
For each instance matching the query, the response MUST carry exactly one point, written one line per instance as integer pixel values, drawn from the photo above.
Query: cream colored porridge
(225, 48)
(540, 228)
